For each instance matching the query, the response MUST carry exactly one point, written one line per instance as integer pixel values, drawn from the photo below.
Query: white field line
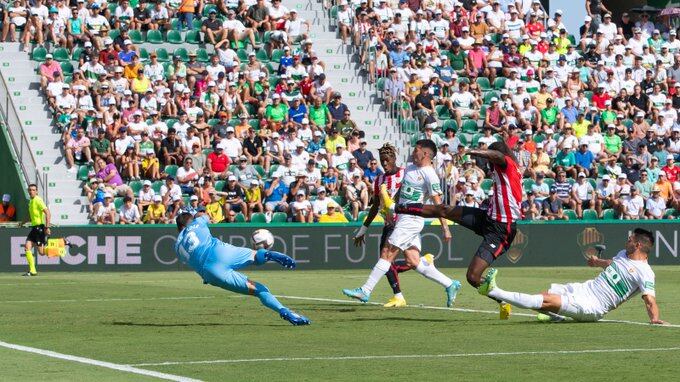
(108, 299)
(57, 283)
(404, 356)
(462, 310)
(94, 362)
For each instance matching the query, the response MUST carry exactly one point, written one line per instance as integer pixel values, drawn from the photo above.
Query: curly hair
(388, 150)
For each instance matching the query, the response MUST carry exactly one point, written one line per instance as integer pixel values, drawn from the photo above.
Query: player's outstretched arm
(360, 235)
(652, 309)
(596, 262)
(493, 156)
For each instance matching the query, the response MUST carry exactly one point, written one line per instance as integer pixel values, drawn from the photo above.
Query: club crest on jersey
(518, 246)
(587, 239)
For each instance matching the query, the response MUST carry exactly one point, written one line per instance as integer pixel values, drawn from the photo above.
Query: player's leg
(431, 272)
(363, 293)
(392, 274)
(29, 257)
(545, 301)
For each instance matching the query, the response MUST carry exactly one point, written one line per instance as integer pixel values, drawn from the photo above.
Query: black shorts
(37, 235)
(497, 236)
(386, 232)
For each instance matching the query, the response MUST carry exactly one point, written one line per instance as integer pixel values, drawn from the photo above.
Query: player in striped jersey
(623, 277)
(392, 180)
(496, 224)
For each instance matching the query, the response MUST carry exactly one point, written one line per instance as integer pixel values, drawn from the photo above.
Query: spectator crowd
(246, 126)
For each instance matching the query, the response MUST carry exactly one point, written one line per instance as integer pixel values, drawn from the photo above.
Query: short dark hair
(503, 148)
(644, 238)
(428, 144)
(183, 220)
(33, 185)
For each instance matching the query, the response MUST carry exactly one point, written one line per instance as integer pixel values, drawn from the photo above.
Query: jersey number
(190, 243)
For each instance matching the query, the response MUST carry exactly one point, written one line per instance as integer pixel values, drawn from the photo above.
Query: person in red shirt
(218, 163)
(534, 27)
(600, 97)
(672, 171)
(511, 60)
(306, 86)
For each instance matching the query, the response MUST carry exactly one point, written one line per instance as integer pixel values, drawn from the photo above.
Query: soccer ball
(262, 238)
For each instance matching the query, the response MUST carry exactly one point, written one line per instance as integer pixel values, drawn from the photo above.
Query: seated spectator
(276, 195)
(215, 208)
(552, 207)
(233, 196)
(7, 210)
(106, 213)
(333, 214)
(155, 213)
(356, 194)
(531, 207)
(253, 198)
(634, 206)
(582, 195)
(301, 208)
(218, 163)
(655, 207)
(129, 213)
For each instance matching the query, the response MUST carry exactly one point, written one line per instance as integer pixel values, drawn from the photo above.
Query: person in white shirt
(624, 276)
(293, 28)
(170, 190)
(300, 157)
(232, 146)
(145, 196)
(656, 205)
(301, 208)
(320, 205)
(344, 17)
(634, 206)
(583, 194)
(463, 104)
(608, 28)
(129, 212)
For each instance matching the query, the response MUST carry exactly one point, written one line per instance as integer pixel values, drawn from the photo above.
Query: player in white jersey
(419, 184)
(624, 276)
(392, 179)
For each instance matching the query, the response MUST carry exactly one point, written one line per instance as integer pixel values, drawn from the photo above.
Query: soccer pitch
(170, 323)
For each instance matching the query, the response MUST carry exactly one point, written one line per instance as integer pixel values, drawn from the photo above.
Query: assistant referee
(40, 228)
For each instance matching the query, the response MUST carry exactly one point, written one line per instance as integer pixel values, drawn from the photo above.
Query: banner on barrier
(150, 248)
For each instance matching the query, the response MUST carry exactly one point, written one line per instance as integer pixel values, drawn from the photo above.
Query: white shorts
(577, 303)
(406, 232)
(464, 112)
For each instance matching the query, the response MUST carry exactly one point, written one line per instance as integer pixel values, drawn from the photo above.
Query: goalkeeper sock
(31, 262)
(266, 298)
(520, 300)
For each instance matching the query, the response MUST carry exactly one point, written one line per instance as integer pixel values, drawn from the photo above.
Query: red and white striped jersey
(393, 182)
(504, 206)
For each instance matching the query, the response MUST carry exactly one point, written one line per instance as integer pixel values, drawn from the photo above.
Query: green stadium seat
(197, 24)
(259, 169)
(362, 216)
(202, 55)
(483, 83)
(489, 95)
(118, 202)
(156, 186)
(333, 12)
(154, 37)
(242, 55)
(276, 55)
(61, 55)
(135, 185)
(113, 33)
(450, 124)
(75, 56)
(135, 36)
(162, 55)
(174, 37)
(475, 139)
(240, 218)
(254, 123)
(207, 8)
(272, 170)
(499, 83)
(571, 214)
(339, 199)
(182, 54)
(258, 217)
(409, 126)
(213, 121)
(470, 126)
(67, 67)
(83, 172)
(279, 217)
(348, 216)
(442, 112)
(193, 37)
(590, 214)
(609, 214)
(527, 183)
(261, 56)
(143, 54)
(549, 181)
(380, 84)
(671, 212)
(39, 54)
(219, 185)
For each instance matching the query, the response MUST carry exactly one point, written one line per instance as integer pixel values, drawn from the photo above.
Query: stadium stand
(256, 112)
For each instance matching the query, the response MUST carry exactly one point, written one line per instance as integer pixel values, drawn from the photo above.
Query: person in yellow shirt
(332, 139)
(155, 213)
(562, 42)
(580, 126)
(132, 69)
(141, 83)
(215, 209)
(333, 215)
(40, 218)
(254, 197)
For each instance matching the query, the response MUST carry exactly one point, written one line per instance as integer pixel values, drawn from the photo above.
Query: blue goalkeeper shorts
(221, 264)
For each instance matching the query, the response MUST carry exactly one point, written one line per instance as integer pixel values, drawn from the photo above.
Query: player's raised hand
(593, 261)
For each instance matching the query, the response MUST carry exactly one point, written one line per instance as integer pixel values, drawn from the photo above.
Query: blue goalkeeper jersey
(194, 243)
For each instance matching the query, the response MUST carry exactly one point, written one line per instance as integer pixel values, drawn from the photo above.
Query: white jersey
(418, 185)
(621, 280)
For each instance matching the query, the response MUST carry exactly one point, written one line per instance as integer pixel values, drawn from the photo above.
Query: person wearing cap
(655, 207)
(301, 208)
(553, 206)
(333, 214)
(583, 194)
(212, 27)
(48, 70)
(106, 213)
(665, 188)
(218, 162)
(613, 145)
(532, 208)
(155, 213)
(7, 210)
(463, 104)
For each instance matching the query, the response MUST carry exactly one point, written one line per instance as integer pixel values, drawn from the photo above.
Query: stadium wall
(330, 246)
(11, 180)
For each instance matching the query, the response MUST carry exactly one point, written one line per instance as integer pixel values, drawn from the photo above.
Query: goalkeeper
(217, 263)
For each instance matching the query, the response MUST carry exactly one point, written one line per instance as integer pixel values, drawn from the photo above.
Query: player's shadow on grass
(180, 325)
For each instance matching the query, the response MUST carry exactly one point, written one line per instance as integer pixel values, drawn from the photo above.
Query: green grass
(132, 318)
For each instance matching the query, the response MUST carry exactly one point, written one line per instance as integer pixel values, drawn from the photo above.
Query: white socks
(432, 273)
(379, 270)
(520, 300)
